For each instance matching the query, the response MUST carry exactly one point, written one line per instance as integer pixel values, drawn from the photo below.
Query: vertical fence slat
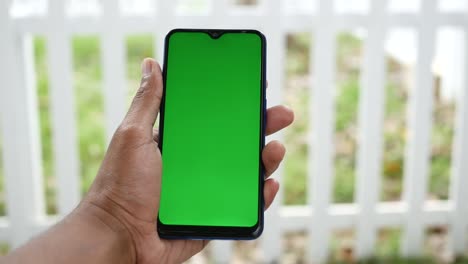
(63, 111)
(419, 127)
(459, 180)
(20, 131)
(113, 65)
(271, 242)
(321, 139)
(371, 108)
(219, 8)
(219, 12)
(221, 251)
(164, 14)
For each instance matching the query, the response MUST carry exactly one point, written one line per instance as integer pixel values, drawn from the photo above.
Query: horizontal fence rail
(58, 23)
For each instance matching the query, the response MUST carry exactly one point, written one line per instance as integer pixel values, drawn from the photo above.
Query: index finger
(278, 117)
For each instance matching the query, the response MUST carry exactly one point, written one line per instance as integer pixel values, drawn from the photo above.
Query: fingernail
(146, 67)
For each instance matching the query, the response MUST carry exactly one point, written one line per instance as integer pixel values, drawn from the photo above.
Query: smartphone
(211, 134)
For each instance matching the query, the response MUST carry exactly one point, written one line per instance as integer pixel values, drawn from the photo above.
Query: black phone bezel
(218, 232)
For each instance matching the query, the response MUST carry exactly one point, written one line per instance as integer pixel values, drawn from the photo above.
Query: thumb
(145, 105)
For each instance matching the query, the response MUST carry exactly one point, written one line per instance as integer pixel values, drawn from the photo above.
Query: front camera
(215, 34)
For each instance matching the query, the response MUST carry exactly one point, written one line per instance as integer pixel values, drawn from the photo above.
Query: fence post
(320, 173)
(371, 114)
(271, 242)
(164, 17)
(22, 162)
(113, 67)
(459, 179)
(419, 131)
(62, 111)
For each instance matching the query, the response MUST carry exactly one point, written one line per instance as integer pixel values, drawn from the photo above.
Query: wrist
(113, 231)
(87, 235)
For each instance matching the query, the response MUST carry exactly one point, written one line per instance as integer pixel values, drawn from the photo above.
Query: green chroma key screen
(212, 130)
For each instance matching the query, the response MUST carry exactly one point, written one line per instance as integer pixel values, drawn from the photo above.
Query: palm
(145, 206)
(133, 167)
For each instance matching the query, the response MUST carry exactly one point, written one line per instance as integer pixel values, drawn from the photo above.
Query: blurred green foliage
(393, 260)
(4, 249)
(348, 63)
(400, 260)
(388, 243)
(298, 97)
(394, 142)
(442, 139)
(89, 104)
(87, 85)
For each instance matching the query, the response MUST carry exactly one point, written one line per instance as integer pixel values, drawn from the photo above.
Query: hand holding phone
(128, 184)
(115, 220)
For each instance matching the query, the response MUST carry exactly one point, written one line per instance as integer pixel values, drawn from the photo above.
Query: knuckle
(145, 86)
(130, 132)
(141, 93)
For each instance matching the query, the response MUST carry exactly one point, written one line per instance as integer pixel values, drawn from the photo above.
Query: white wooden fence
(21, 141)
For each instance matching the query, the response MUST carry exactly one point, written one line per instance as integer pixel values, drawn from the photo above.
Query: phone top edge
(206, 30)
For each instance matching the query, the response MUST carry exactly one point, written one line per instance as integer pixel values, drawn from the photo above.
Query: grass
(394, 260)
(399, 260)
